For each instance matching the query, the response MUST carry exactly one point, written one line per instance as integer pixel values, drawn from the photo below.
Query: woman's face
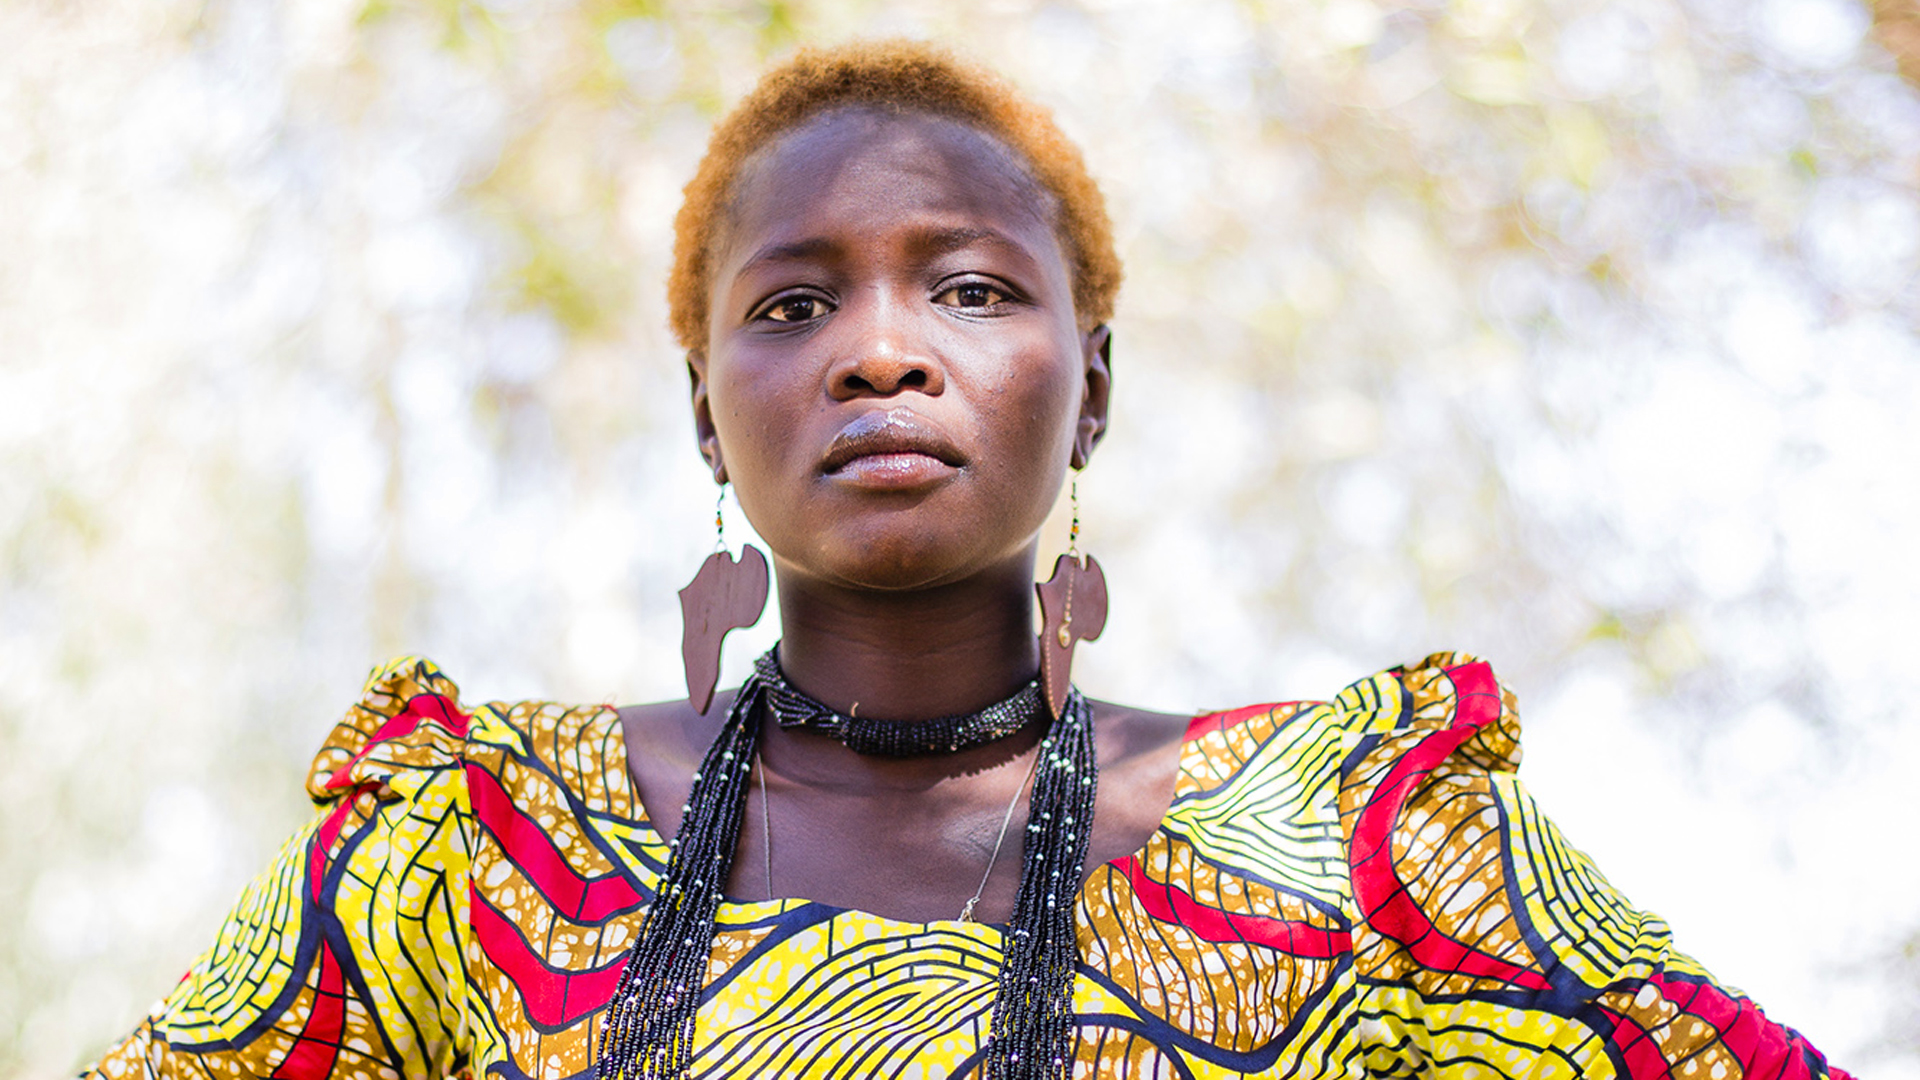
(894, 378)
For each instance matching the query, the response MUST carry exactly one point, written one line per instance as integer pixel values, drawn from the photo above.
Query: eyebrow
(931, 243)
(937, 242)
(794, 251)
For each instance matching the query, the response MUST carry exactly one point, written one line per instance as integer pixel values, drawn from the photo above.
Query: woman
(905, 846)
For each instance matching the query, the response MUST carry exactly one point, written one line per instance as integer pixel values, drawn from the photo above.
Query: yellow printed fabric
(1349, 888)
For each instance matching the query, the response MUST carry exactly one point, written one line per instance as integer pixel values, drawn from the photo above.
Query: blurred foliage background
(1582, 334)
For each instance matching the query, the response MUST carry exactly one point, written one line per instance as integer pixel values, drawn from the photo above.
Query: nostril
(882, 375)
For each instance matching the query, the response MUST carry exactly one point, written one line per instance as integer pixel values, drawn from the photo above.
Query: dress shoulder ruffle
(1450, 703)
(408, 721)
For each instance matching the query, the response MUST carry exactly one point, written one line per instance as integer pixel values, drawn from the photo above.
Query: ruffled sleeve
(343, 958)
(1482, 939)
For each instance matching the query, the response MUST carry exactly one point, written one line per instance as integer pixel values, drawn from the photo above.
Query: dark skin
(896, 382)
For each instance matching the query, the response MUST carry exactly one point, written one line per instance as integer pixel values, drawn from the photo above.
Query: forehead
(864, 168)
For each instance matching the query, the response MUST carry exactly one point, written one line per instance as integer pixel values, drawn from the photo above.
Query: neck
(913, 655)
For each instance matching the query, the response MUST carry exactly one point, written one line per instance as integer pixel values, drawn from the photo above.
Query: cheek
(1036, 408)
(747, 411)
(1053, 387)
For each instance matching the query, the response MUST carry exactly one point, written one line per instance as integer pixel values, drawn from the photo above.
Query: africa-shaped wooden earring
(725, 595)
(1073, 608)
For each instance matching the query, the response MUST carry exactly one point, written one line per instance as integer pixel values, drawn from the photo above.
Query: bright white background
(1581, 334)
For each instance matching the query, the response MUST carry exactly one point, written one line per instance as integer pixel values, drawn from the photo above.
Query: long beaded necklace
(649, 1028)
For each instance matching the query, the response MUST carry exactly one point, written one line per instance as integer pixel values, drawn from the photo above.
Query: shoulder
(410, 728)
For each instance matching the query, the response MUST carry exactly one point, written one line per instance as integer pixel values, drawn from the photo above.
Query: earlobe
(703, 429)
(1097, 348)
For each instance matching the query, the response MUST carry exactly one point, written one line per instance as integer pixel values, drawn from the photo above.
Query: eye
(972, 294)
(797, 308)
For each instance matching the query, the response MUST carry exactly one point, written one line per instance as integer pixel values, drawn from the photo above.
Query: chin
(890, 561)
(906, 571)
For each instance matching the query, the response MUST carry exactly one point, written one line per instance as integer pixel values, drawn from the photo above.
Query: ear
(1097, 351)
(703, 429)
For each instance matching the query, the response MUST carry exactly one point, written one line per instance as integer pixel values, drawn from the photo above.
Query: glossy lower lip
(898, 471)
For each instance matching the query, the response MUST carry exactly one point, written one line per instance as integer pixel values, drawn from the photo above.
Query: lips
(890, 441)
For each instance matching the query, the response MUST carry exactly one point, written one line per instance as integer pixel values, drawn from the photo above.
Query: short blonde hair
(904, 76)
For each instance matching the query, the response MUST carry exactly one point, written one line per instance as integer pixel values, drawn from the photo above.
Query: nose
(883, 355)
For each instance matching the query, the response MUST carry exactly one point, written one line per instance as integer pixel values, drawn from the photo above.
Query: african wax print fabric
(1350, 888)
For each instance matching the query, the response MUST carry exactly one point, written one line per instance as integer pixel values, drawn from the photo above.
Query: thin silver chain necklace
(966, 910)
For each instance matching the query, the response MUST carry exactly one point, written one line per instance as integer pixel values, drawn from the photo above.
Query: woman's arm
(343, 957)
(1484, 941)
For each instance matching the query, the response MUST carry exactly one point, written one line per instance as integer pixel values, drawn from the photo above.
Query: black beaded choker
(649, 1027)
(897, 738)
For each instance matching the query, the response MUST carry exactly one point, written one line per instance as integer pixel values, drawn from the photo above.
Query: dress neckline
(1197, 725)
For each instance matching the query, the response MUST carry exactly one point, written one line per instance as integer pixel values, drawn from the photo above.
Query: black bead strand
(648, 1034)
(1032, 1031)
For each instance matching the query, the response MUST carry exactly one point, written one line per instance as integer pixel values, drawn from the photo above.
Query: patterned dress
(1350, 888)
